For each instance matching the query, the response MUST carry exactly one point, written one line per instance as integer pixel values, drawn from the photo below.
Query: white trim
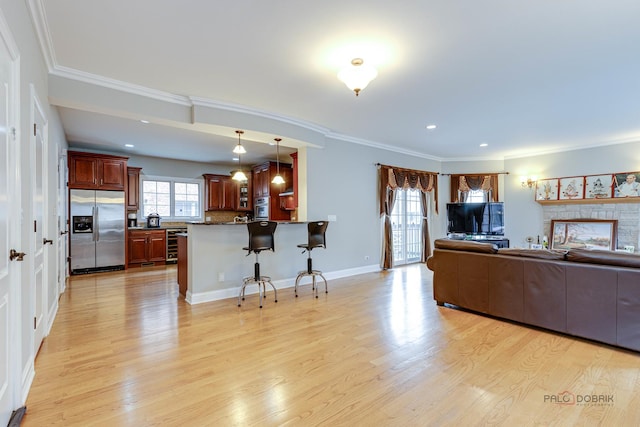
(226, 293)
(39, 19)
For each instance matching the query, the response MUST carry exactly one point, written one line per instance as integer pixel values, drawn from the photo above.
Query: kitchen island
(216, 263)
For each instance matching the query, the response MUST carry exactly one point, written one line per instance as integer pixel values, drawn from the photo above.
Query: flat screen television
(476, 218)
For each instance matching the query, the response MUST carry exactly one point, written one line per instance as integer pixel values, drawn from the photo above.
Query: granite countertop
(239, 223)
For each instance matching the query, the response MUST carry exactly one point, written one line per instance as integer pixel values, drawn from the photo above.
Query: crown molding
(73, 74)
(381, 146)
(39, 19)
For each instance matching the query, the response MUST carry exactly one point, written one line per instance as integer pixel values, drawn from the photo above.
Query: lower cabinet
(147, 247)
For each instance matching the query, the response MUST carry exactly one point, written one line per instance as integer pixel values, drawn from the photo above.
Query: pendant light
(239, 149)
(278, 179)
(239, 174)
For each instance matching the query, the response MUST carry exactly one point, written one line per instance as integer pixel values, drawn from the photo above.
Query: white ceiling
(524, 77)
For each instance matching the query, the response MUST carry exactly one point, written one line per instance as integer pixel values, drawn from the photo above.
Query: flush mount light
(129, 145)
(484, 144)
(357, 75)
(431, 127)
(146, 122)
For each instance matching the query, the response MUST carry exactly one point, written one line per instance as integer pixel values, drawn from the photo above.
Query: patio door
(406, 222)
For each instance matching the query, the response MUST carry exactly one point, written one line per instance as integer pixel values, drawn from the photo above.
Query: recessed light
(484, 144)
(431, 127)
(129, 145)
(146, 122)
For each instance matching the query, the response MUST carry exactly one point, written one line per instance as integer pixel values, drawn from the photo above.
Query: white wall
(33, 71)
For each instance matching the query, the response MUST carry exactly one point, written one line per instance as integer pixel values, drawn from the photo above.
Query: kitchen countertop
(239, 223)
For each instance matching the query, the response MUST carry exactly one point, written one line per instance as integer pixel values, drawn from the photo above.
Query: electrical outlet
(220, 277)
(333, 218)
(208, 219)
(366, 257)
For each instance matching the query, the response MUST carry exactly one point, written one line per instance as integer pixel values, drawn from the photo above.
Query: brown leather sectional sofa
(589, 294)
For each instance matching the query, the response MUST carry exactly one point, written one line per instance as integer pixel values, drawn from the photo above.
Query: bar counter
(216, 262)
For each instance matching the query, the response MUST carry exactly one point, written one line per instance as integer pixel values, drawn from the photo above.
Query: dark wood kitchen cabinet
(133, 188)
(97, 171)
(264, 173)
(146, 246)
(220, 192)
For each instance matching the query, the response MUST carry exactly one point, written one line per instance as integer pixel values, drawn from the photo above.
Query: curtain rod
(405, 169)
(483, 173)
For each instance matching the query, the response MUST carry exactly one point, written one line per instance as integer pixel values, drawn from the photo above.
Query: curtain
(390, 179)
(462, 184)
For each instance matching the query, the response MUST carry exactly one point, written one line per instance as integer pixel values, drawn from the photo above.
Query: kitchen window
(176, 199)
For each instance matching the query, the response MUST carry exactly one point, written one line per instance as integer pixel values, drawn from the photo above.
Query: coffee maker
(132, 219)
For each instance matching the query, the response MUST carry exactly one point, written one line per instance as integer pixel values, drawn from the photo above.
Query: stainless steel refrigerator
(97, 230)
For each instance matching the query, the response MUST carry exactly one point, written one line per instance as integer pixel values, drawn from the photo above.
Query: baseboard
(225, 293)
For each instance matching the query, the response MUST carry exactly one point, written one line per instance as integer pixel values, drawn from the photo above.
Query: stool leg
(315, 286)
(298, 281)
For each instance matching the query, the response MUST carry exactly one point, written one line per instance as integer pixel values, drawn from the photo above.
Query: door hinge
(13, 132)
(35, 129)
(35, 226)
(35, 323)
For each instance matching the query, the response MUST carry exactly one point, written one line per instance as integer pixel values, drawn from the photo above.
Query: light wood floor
(125, 350)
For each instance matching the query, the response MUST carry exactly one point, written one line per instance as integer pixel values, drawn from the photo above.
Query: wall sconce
(528, 181)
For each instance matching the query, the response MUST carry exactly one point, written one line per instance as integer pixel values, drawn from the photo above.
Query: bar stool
(316, 239)
(260, 239)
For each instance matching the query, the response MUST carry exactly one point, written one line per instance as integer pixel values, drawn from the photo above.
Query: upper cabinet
(97, 171)
(133, 188)
(220, 192)
(264, 173)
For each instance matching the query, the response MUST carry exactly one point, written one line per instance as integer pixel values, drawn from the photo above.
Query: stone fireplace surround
(627, 214)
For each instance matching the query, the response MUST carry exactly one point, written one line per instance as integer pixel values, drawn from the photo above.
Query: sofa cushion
(620, 259)
(533, 253)
(466, 245)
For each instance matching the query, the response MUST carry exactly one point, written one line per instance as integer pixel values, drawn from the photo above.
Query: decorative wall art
(598, 186)
(627, 184)
(571, 188)
(547, 189)
(584, 234)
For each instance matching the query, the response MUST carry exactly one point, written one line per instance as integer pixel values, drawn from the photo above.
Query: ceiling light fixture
(278, 179)
(484, 144)
(431, 127)
(239, 174)
(357, 75)
(129, 145)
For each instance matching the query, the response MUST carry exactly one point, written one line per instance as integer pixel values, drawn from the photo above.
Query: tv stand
(499, 241)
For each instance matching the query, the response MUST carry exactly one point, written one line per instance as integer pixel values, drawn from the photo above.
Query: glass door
(406, 223)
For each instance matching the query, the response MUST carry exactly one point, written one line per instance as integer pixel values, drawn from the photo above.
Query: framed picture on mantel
(571, 188)
(584, 234)
(547, 189)
(598, 186)
(627, 184)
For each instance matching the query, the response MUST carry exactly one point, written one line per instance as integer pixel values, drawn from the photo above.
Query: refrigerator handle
(96, 224)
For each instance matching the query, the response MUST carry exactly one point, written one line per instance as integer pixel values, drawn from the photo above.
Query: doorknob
(18, 256)
(45, 241)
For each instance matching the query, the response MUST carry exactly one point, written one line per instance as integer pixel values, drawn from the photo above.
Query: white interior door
(42, 242)
(9, 226)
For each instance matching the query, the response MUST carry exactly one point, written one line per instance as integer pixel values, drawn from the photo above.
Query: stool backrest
(317, 232)
(261, 235)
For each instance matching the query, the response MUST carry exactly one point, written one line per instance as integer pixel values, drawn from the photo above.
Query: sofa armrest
(466, 245)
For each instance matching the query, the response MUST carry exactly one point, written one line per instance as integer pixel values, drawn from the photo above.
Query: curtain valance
(465, 183)
(394, 177)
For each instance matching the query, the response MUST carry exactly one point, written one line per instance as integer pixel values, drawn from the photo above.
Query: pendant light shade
(278, 179)
(239, 175)
(357, 75)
